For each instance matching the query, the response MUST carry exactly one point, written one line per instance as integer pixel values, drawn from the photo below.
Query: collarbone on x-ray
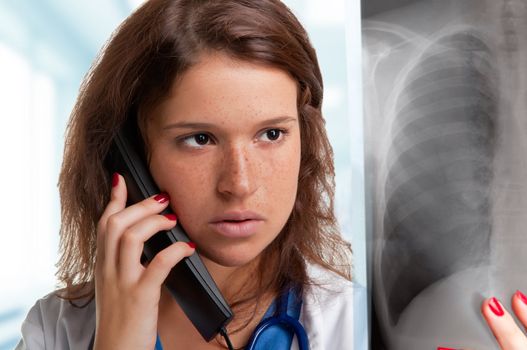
(445, 104)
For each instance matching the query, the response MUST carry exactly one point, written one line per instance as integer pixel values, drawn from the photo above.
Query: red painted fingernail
(162, 197)
(171, 217)
(115, 179)
(522, 297)
(495, 306)
(440, 348)
(191, 245)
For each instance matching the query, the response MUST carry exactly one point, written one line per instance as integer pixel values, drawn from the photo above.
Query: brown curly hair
(136, 69)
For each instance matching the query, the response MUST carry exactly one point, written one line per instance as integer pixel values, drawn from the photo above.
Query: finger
(159, 268)
(117, 203)
(119, 222)
(132, 243)
(507, 333)
(519, 305)
(118, 194)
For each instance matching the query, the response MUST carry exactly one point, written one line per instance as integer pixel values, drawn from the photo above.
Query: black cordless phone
(189, 281)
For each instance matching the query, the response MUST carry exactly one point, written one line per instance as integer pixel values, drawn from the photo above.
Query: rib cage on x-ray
(445, 87)
(439, 168)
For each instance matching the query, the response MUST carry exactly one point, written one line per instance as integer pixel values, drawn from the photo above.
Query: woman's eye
(273, 134)
(196, 140)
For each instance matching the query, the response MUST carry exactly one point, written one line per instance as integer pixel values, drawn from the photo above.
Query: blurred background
(46, 48)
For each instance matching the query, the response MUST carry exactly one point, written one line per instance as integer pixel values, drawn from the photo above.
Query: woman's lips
(236, 229)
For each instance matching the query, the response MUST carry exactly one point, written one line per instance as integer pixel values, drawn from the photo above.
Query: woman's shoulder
(326, 287)
(327, 284)
(57, 323)
(334, 311)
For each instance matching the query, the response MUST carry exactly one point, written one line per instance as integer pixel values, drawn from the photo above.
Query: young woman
(227, 98)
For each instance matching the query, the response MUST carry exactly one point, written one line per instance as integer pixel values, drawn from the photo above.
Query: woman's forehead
(221, 88)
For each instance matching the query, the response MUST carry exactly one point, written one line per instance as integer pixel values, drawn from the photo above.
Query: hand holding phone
(127, 293)
(189, 282)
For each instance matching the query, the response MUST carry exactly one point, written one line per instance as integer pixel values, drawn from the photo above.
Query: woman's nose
(236, 178)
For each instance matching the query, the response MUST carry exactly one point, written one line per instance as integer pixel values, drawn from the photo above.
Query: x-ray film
(445, 102)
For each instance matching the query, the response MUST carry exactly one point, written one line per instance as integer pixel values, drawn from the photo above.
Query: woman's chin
(236, 258)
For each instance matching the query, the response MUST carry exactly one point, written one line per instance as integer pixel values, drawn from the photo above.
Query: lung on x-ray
(445, 105)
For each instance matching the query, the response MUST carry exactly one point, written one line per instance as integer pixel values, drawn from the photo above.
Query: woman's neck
(234, 283)
(233, 280)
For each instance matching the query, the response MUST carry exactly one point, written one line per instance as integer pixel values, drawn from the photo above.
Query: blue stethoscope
(288, 302)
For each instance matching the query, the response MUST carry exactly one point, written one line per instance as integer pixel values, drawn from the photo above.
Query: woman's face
(225, 145)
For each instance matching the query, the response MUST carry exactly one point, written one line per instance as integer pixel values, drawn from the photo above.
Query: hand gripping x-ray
(445, 96)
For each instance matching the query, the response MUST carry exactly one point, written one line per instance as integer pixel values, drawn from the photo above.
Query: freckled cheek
(187, 185)
(281, 177)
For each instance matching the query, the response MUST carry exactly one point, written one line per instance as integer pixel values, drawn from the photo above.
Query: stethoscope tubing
(282, 319)
(285, 320)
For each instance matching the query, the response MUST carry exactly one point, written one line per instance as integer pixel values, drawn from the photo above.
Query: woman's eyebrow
(201, 125)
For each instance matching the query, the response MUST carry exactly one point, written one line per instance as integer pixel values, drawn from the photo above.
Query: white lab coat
(327, 316)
